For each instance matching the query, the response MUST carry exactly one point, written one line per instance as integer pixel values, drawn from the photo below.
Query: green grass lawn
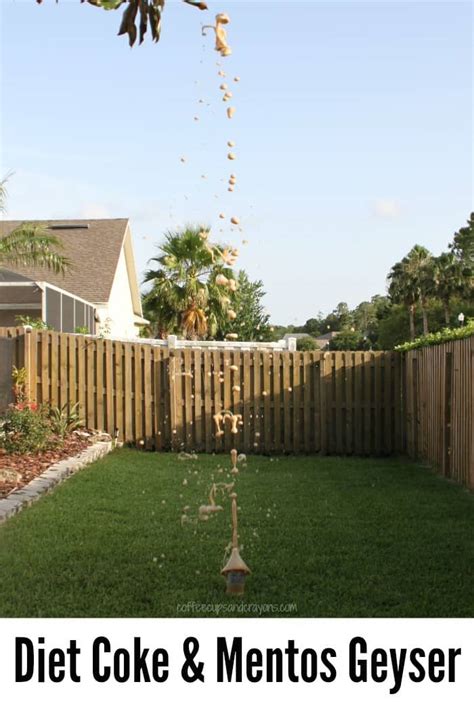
(336, 536)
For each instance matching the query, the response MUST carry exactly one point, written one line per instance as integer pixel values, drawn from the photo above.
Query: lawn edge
(50, 478)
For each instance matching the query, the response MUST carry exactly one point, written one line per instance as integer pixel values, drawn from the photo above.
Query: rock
(9, 476)
(100, 437)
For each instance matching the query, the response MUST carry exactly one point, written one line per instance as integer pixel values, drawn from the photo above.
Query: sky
(353, 132)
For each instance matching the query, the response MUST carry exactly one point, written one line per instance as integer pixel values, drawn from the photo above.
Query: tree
(449, 281)
(348, 340)
(192, 288)
(462, 246)
(339, 318)
(30, 244)
(252, 322)
(423, 268)
(306, 344)
(367, 315)
(279, 331)
(343, 314)
(146, 12)
(411, 284)
(314, 326)
(394, 327)
(401, 291)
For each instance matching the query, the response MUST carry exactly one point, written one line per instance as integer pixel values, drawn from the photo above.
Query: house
(322, 342)
(297, 335)
(99, 292)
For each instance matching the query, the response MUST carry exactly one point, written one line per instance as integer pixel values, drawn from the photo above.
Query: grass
(336, 536)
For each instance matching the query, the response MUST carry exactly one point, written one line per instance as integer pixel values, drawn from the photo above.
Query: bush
(25, 429)
(65, 419)
(306, 344)
(348, 340)
(445, 335)
(35, 322)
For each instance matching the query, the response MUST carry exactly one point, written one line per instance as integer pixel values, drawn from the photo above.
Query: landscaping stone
(6, 512)
(46, 481)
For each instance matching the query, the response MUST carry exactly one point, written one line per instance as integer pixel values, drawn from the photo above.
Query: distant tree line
(196, 293)
(425, 293)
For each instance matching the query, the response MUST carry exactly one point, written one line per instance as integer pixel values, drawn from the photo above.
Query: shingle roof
(296, 335)
(94, 252)
(328, 336)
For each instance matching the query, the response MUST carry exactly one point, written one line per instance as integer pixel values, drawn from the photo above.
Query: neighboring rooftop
(93, 246)
(296, 335)
(328, 336)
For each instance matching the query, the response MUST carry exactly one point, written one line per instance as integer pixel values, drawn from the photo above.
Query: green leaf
(107, 4)
(143, 20)
(127, 25)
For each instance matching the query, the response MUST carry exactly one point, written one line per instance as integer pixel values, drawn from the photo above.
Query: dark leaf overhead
(147, 13)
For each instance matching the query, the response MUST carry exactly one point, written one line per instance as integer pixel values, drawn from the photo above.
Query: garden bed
(17, 470)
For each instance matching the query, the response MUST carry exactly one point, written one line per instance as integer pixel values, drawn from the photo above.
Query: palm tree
(30, 244)
(422, 265)
(401, 291)
(190, 292)
(449, 280)
(462, 245)
(411, 284)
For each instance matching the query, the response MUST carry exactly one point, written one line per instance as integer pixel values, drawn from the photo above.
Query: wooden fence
(439, 407)
(362, 403)
(329, 402)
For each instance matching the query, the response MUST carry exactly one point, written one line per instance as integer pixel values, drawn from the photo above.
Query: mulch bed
(29, 466)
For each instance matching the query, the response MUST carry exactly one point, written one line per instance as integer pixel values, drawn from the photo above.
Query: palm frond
(183, 275)
(32, 245)
(3, 193)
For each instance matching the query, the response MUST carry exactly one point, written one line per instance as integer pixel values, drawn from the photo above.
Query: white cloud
(387, 208)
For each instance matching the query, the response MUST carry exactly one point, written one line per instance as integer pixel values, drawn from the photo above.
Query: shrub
(19, 377)
(306, 344)
(445, 335)
(348, 340)
(35, 322)
(65, 419)
(25, 429)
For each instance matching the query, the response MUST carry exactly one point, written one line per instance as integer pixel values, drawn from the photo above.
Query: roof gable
(94, 249)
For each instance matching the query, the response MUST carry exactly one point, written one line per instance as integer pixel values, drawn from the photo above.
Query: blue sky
(353, 132)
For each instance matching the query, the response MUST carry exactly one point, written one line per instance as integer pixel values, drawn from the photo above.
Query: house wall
(118, 315)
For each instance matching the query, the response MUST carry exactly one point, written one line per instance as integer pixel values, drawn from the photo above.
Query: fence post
(415, 420)
(401, 399)
(172, 391)
(448, 389)
(324, 379)
(27, 358)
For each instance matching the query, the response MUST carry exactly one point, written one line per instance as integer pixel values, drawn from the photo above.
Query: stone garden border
(55, 474)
